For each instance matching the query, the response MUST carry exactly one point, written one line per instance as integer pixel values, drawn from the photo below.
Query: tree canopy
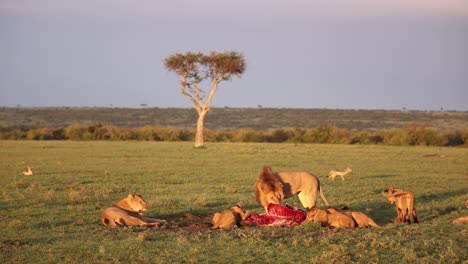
(195, 68)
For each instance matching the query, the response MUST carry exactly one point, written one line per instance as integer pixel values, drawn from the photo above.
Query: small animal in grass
(333, 173)
(229, 218)
(27, 172)
(462, 219)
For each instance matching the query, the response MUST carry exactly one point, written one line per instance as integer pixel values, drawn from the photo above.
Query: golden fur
(229, 218)
(404, 202)
(333, 219)
(462, 219)
(361, 219)
(332, 174)
(300, 183)
(127, 212)
(28, 172)
(268, 189)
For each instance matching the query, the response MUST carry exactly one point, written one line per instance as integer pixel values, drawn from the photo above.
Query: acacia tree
(195, 69)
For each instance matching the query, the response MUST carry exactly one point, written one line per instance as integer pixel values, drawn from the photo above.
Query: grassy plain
(54, 215)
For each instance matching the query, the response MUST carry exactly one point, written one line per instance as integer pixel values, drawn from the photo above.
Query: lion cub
(230, 218)
(28, 172)
(333, 173)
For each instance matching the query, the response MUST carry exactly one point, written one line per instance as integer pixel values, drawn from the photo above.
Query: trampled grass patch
(54, 215)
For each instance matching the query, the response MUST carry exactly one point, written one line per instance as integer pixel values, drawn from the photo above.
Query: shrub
(452, 139)
(75, 132)
(415, 134)
(296, 135)
(420, 135)
(15, 134)
(279, 135)
(395, 137)
(39, 134)
(327, 134)
(249, 135)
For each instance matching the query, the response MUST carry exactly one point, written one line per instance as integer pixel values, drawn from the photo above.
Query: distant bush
(327, 134)
(280, 135)
(420, 135)
(76, 132)
(413, 135)
(15, 134)
(40, 134)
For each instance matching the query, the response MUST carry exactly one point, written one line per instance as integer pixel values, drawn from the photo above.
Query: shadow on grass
(441, 196)
(382, 176)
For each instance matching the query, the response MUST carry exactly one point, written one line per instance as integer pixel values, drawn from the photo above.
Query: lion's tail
(322, 194)
(373, 224)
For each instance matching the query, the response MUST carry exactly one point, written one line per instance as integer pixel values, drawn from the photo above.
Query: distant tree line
(415, 134)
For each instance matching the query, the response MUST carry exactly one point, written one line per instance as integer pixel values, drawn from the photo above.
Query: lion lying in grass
(27, 172)
(462, 219)
(404, 202)
(361, 219)
(230, 218)
(333, 219)
(128, 212)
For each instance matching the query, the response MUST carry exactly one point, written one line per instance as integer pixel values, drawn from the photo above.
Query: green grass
(54, 215)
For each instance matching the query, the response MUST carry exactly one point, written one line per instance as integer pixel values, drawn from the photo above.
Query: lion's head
(268, 189)
(390, 194)
(317, 215)
(136, 203)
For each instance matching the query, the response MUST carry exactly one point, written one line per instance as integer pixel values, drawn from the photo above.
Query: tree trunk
(200, 125)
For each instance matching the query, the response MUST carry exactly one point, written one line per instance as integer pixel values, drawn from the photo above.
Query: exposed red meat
(278, 215)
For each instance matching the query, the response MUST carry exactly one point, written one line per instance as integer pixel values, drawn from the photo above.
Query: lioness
(361, 219)
(404, 202)
(128, 211)
(273, 187)
(231, 217)
(333, 173)
(334, 219)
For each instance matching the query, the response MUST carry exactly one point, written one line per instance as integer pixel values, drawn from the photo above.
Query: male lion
(334, 219)
(272, 187)
(231, 217)
(361, 219)
(268, 189)
(404, 201)
(128, 211)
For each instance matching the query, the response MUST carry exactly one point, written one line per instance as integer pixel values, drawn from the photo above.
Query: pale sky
(347, 54)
